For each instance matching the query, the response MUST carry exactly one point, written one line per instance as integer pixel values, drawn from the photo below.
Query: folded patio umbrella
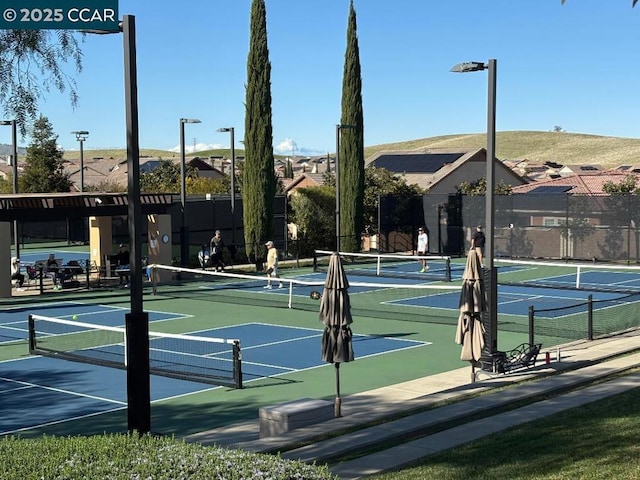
(470, 330)
(335, 314)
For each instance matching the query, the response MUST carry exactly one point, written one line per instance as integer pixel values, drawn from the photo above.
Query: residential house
(441, 171)
(568, 217)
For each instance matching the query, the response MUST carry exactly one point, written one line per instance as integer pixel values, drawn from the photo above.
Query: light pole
(137, 321)
(233, 182)
(81, 136)
(491, 276)
(339, 128)
(184, 229)
(14, 167)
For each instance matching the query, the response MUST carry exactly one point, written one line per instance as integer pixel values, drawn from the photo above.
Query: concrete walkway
(580, 363)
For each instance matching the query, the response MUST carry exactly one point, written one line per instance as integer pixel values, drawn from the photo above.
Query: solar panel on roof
(551, 189)
(415, 162)
(588, 167)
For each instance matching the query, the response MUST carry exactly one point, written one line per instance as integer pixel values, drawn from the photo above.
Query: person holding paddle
(272, 264)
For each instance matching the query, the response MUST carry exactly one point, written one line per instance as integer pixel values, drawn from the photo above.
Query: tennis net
(202, 359)
(398, 299)
(388, 265)
(585, 276)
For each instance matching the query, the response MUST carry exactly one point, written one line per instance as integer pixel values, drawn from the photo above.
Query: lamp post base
(489, 361)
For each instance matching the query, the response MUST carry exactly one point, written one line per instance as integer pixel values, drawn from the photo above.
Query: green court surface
(218, 406)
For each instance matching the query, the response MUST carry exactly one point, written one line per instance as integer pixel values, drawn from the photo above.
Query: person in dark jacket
(215, 252)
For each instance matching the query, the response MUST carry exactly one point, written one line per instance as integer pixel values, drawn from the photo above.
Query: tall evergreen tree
(43, 171)
(351, 144)
(259, 179)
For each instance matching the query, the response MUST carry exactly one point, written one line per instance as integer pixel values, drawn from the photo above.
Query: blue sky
(576, 66)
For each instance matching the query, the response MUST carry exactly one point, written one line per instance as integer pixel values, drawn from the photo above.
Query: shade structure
(473, 302)
(335, 314)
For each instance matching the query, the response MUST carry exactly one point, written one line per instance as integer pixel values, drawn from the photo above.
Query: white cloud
(286, 147)
(290, 147)
(198, 147)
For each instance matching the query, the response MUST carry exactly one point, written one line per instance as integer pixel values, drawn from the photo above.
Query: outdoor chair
(32, 276)
(523, 356)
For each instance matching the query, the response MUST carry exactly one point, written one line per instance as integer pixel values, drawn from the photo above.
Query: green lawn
(596, 441)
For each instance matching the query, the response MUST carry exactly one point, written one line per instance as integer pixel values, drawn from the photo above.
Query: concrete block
(283, 417)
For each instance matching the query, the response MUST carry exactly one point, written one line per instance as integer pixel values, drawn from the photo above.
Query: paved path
(580, 363)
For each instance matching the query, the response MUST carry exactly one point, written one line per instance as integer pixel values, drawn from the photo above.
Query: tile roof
(585, 183)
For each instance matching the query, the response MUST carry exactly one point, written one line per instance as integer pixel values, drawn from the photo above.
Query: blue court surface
(36, 391)
(514, 300)
(596, 279)
(14, 323)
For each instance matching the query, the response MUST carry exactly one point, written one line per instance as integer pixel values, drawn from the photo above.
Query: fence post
(531, 335)
(590, 317)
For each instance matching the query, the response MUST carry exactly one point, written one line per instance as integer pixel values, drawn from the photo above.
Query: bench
(283, 417)
(523, 356)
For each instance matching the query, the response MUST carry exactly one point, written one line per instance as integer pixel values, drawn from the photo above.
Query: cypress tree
(351, 144)
(44, 171)
(259, 179)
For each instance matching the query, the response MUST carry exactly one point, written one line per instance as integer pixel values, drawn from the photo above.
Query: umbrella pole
(338, 401)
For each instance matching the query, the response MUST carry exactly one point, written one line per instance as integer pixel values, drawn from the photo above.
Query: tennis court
(404, 328)
(40, 392)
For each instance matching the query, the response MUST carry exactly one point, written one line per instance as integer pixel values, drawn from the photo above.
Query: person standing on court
(272, 264)
(477, 242)
(216, 244)
(123, 264)
(423, 248)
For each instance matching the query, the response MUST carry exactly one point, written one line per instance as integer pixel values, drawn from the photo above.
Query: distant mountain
(8, 150)
(561, 147)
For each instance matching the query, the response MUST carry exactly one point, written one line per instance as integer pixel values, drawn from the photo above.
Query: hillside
(564, 148)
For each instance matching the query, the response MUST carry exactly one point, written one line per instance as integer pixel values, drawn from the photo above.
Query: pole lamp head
(469, 67)
(81, 135)
(190, 120)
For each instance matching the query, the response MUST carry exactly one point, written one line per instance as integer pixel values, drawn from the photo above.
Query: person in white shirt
(15, 272)
(423, 248)
(272, 264)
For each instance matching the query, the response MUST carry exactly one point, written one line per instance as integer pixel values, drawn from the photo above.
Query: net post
(154, 280)
(531, 323)
(237, 365)
(290, 294)
(32, 334)
(378, 265)
(590, 317)
(315, 261)
(447, 267)
(578, 277)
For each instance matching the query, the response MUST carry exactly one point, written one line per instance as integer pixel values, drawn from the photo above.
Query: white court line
(26, 387)
(61, 390)
(57, 422)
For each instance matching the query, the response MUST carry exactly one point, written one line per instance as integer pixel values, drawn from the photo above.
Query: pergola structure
(98, 207)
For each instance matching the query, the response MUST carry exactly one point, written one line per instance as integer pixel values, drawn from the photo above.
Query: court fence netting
(388, 265)
(409, 300)
(188, 357)
(385, 298)
(596, 277)
(586, 320)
